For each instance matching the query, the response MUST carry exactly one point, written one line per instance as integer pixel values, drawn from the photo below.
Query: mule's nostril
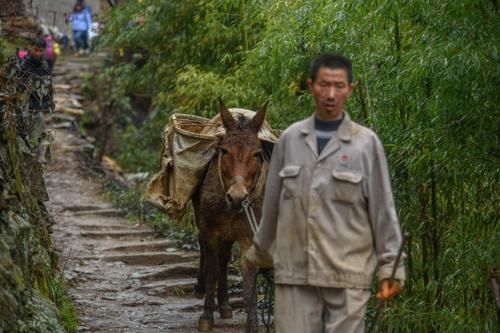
(229, 198)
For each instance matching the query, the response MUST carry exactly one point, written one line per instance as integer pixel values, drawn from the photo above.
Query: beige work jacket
(330, 220)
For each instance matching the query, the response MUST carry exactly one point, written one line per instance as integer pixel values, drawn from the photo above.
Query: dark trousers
(81, 39)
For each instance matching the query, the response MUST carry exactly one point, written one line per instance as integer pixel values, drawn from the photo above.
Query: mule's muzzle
(236, 194)
(234, 202)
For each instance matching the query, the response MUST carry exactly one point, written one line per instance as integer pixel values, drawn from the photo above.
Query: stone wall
(15, 21)
(29, 277)
(12, 8)
(28, 267)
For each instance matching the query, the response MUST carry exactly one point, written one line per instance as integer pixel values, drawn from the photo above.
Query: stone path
(45, 10)
(121, 277)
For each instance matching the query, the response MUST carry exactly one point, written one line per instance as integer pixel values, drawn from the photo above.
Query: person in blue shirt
(85, 6)
(81, 21)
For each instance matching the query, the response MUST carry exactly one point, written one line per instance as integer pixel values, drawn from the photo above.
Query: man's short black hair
(39, 42)
(332, 61)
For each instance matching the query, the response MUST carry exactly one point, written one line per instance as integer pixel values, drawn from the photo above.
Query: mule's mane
(242, 133)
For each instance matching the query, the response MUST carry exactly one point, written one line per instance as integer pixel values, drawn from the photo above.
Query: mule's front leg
(211, 272)
(199, 287)
(225, 310)
(249, 275)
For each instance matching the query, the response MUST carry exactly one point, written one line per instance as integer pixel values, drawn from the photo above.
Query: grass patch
(130, 200)
(53, 288)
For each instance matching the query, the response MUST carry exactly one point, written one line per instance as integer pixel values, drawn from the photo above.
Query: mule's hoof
(226, 312)
(205, 325)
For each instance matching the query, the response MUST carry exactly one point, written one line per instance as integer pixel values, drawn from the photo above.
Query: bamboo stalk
(496, 291)
(383, 304)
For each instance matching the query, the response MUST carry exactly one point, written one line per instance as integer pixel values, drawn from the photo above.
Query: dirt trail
(121, 278)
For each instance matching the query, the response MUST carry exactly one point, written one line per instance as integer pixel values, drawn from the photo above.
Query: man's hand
(387, 290)
(257, 258)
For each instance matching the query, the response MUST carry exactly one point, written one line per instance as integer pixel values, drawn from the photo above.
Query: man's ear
(353, 88)
(310, 85)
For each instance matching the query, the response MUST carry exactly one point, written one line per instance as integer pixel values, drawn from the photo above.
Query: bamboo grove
(427, 76)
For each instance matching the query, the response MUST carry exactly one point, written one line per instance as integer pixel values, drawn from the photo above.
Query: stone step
(122, 235)
(170, 271)
(61, 86)
(104, 227)
(86, 208)
(180, 287)
(152, 258)
(65, 124)
(61, 117)
(150, 246)
(109, 212)
(172, 287)
(235, 302)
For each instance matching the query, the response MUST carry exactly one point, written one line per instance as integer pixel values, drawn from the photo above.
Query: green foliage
(4, 51)
(427, 80)
(140, 147)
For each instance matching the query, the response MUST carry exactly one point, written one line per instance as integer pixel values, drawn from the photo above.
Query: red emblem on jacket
(344, 157)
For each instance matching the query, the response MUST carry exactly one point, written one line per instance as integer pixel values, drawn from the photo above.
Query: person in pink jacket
(329, 223)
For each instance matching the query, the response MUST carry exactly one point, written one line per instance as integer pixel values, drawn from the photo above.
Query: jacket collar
(343, 133)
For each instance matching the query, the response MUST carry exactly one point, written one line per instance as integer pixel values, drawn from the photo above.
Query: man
(28, 74)
(328, 218)
(34, 75)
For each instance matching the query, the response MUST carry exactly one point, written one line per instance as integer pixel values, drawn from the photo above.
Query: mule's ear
(226, 117)
(259, 117)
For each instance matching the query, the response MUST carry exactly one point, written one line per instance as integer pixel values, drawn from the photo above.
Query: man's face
(36, 52)
(330, 90)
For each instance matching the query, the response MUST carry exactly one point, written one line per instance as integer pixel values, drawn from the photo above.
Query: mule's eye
(257, 154)
(224, 151)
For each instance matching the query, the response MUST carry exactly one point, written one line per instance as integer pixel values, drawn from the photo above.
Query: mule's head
(241, 155)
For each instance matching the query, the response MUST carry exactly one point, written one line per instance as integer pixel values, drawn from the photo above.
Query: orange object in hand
(388, 290)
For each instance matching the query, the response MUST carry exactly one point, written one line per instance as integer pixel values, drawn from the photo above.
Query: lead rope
(267, 286)
(383, 304)
(219, 172)
(267, 302)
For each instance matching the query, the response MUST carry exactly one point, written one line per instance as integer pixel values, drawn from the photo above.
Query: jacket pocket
(290, 174)
(347, 186)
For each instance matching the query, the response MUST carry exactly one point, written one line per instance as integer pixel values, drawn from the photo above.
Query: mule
(231, 178)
